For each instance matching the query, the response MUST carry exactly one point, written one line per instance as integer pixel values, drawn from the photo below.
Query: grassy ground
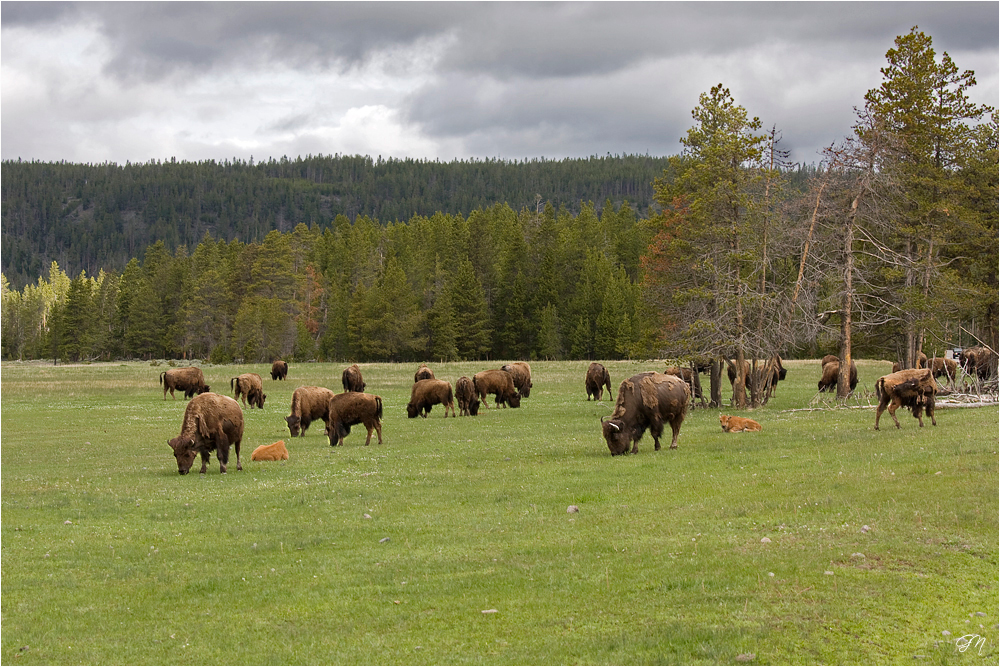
(451, 542)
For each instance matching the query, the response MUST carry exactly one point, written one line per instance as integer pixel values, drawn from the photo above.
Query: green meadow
(817, 540)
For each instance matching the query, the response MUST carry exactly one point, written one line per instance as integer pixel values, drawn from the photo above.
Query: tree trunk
(844, 376)
(716, 384)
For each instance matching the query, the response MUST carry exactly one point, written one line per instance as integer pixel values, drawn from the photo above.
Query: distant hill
(99, 216)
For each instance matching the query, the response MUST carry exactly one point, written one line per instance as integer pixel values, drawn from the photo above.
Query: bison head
(474, 407)
(514, 401)
(616, 435)
(412, 410)
(293, 424)
(337, 431)
(184, 452)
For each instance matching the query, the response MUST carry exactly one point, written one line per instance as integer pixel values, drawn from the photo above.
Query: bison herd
(649, 400)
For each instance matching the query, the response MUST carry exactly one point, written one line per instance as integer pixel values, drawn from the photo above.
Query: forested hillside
(91, 217)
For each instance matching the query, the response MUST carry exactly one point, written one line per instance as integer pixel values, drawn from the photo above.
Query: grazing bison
(211, 424)
(520, 372)
(597, 379)
(687, 375)
(646, 400)
(978, 361)
(732, 424)
(423, 373)
(831, 369)
(428, 393)
(352, 380)
(828, 358)
(465, 394)
(943, 367)
(249, 387)
(309, 404)
(913, 388)
(190, 380)
(500, 384)
(279, 370)
(273, 452)
(350, 408)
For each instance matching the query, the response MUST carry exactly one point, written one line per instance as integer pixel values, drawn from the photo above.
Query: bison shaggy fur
(352, 380)
(465, 394)
(597, 379)
(350, 408)
(249, 387)
(211, 424)
(423, 373)
(309, 404)
(831, 369)
(646, 400)
(428, 393)
(520, 372)
(190, 380)
(279, 370)
(912, 388)
(500, 384)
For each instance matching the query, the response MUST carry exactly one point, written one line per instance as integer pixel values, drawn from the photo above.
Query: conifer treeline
(495, 284)
(89, 217)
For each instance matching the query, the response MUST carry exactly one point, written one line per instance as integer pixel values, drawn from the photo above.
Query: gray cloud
(473, 79)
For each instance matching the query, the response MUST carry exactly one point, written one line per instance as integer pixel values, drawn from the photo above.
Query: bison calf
(273, 452)
(309, 404)
(350, 408)
(211, 424)
(646, 400)
(914, 388)
(428, 393)
(465, 394)
(597, 379)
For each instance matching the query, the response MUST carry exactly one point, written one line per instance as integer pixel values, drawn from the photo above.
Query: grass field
(451, 542)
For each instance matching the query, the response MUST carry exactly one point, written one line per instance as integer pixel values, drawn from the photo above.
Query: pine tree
(470, 314)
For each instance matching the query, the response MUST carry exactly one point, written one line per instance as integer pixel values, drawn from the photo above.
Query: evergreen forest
(887, 248)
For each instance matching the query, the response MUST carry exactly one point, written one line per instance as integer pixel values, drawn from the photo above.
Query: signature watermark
(965, 641)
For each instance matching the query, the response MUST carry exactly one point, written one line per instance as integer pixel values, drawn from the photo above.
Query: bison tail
(378, 407)
(231, 381)
(880, 389)
(161, 376)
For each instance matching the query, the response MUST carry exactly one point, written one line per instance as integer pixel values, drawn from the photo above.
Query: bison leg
(369, 438)
(204, 462)
(675, 426)
(449, 405)
(892, 413)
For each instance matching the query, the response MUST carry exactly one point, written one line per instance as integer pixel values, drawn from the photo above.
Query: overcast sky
(95, 82)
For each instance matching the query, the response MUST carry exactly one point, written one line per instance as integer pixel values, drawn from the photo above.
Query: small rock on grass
(571, 509)
(489, 611)
(765, 540)
(746, 657)
(383, 540)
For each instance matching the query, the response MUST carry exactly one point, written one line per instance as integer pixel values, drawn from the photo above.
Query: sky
(99, 82)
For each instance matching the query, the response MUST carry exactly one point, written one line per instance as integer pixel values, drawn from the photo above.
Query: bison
(500, 384)
(274, 452)
(597, 379)
(423, 373)
(646, 400)
(309, 404)
(279, 370)
(831, 369)
(943, 367)
(190, 380)
(465, 394)
(352, 380)
(979, 361)
(687, 375)
(913, 388)
(428, 393)
(520, 372)
(350, 408)
(211, 424)
(249, 387)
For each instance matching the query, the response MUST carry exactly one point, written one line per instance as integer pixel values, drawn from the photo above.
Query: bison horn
(614, 426)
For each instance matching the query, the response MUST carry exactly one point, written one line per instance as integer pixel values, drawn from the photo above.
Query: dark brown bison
(687, 375)
(979, 361)
(190, 380)
(279, 370)
(941, 367)
(352, 380)
(597, 379)
(465, 394)
(646, 400)
(500, 384)
(831, 369)
(211, 424)
(912, 388)
(249, 387)
(309, 404)
(350, 408)
(423, 373)
(428, 393)
(731, 370)
(520, 371)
